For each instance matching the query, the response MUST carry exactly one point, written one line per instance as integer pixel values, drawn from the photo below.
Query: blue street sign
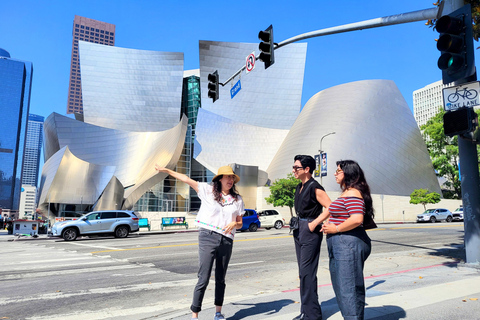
(237, 87)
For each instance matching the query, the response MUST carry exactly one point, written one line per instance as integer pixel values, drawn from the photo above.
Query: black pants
(212, 246)
(307, 247)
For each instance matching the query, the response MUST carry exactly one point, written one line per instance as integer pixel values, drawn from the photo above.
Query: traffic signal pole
(420, 15)
(469, 176)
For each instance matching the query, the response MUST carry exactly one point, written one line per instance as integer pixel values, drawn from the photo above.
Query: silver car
(434, 215)
(115, 222)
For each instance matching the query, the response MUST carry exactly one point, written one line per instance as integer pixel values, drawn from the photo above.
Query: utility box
(26, 226)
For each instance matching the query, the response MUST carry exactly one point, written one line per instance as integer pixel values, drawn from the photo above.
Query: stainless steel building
(374, 126)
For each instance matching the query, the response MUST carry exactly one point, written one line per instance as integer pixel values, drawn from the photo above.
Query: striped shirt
(342, 208)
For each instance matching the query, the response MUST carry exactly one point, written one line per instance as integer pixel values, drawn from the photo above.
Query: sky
(40, 31)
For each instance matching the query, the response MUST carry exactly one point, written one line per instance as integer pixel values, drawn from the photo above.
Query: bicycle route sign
(465, 95)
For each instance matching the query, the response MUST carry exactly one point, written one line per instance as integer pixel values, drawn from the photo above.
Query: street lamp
(321, 151)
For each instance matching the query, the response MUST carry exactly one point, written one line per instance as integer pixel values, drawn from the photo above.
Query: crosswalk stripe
(108, 290)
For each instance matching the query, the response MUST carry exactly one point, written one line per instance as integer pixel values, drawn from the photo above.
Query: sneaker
(219, 316)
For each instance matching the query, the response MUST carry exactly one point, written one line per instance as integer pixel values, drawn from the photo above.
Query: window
(109, 215)
(123, 215)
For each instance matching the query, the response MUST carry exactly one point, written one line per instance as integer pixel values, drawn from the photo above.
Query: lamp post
(321, 151)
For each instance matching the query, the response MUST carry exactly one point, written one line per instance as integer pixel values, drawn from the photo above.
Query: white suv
(117, 222)
(271, 219)
(434, 215)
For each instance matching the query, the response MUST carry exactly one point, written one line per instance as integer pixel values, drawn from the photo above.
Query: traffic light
(213, 81)
(266, 47)
(456, 44)
(460, 121)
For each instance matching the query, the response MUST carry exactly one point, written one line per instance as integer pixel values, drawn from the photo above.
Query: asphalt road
(107, 278)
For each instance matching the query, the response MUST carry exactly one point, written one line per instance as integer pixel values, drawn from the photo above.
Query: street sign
(237, 87)
(250, 62)
(465, 95)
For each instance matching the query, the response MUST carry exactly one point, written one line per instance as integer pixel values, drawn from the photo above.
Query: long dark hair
(217, 190)
(353, 177)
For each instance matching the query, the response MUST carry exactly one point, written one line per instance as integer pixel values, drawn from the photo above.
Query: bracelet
(336, 227)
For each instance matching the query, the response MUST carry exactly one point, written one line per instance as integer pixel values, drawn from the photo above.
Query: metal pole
(321, 151)
(407, 17)
(467, 151)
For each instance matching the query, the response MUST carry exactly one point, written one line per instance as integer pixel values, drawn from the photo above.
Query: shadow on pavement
(392, 313)
(267, 308)
(456, 250)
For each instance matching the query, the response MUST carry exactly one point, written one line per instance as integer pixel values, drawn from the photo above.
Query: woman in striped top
(347, 242)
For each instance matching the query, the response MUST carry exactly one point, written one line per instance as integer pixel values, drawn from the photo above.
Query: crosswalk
(38, 282)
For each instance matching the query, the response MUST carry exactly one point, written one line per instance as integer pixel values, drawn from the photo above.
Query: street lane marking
(87, 245)
(100, 291)
(243, 263)
(426, 227)
(64, 272)
(182, 245)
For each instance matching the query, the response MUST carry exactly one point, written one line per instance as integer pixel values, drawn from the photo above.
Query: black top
(306, 204)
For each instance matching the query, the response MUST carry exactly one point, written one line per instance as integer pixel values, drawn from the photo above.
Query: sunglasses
(296, 168)
(338, 171)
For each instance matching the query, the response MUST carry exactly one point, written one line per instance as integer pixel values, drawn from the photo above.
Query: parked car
(434, 215)
(250, 221)
(271, 219)
(458, 214)
(118, 223)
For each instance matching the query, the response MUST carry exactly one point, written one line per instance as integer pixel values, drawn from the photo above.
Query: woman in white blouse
(219, 216)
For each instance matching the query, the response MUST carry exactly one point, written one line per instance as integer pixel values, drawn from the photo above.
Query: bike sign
(465, 95)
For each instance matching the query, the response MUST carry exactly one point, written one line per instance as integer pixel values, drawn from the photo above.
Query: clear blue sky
(41, 32)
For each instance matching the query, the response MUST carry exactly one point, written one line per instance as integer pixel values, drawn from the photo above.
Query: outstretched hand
(160, 168)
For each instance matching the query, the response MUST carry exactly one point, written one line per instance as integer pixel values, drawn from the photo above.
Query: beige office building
(88, 30)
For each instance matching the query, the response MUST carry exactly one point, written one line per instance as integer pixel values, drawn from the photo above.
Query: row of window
(92, 29)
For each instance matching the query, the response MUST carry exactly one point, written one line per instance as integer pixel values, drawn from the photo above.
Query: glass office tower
(33, 147)
(15, 86)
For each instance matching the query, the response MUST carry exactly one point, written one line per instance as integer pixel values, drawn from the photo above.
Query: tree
(423, 196)
(282, 192)
(443, 151)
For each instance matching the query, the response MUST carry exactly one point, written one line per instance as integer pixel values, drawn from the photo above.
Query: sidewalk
(445, 290)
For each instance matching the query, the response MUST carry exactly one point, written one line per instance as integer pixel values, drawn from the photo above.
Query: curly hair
(217, 190)
(353, 177)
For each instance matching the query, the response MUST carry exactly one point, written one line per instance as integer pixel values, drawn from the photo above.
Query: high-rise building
(427, 101)
(33, 147)
(89, 30)
(15, 88)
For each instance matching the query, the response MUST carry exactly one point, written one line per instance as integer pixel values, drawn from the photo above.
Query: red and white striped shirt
(342, 208)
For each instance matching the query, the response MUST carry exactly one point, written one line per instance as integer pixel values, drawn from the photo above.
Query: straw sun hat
(226, 171)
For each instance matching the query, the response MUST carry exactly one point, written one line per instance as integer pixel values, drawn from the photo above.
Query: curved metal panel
(68, 179)
(127, 151)
(269, 98)
(130, 89)
(112, 196)
(166, 152)
(220, 141)
(373, 126)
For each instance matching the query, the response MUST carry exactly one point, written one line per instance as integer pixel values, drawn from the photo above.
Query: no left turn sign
(250, 63)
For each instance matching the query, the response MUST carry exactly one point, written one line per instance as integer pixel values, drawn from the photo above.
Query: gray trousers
(212, 246)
